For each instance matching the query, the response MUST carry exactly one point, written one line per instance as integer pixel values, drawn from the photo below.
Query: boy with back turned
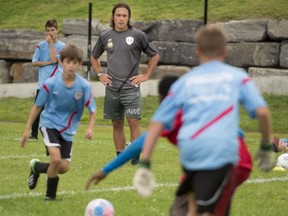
(209, 96)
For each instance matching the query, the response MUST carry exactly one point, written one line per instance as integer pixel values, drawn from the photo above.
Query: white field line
(125, 188)
(16, 156)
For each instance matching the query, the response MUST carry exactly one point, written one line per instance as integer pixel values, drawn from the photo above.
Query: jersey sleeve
(131, 151)
(36, 56)
(169, 107)
(43, 95)
(147, 47)
(89, 100)
(98, 48)
(250, 97)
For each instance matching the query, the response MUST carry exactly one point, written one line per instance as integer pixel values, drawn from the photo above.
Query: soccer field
(264, 194)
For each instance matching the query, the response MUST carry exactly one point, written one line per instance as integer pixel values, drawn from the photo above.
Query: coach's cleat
(33, 177)
(51, 199)
(33, 138)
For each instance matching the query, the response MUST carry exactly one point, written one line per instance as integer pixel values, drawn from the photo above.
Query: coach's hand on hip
(105, 79)
(136, 80)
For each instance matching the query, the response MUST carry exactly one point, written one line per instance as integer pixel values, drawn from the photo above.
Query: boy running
(64, 97)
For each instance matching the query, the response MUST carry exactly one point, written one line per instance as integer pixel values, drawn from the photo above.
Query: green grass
(88, 156)
(17, 110)
(32, 14)
(257, 199)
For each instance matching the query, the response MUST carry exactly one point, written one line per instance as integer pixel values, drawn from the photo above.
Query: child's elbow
(262, 111)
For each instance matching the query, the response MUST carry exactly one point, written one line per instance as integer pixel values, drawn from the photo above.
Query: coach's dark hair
(120, 5)
(71, 52)
(164, 86)
(51, 23)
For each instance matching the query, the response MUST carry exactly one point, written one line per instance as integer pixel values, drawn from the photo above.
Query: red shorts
(242, 172)
(244, 167)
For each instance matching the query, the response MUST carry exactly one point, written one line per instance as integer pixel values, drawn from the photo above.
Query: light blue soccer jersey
(64, 106)
(209, 96)
(42, 54)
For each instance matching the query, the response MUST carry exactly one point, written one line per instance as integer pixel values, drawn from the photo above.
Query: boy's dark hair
(71, 52)
(120, 5)
(164, 86)
(51, 23)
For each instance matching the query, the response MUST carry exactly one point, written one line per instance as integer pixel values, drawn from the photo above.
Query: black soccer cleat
(33, 177)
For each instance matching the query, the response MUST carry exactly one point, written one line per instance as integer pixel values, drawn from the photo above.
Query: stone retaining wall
(255, 45)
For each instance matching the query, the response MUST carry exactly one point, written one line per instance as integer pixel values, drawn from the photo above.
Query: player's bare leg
(191, 205)
(119, 135)
(180, 206)
(64, 166)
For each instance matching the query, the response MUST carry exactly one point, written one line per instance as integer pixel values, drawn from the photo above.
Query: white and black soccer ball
(99, 207)
(282, 161)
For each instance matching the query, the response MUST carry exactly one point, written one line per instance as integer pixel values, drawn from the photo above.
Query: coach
(124, 45)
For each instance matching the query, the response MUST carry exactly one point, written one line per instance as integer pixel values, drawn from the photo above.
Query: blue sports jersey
(64, 106)
(209, 96)
(42, 54)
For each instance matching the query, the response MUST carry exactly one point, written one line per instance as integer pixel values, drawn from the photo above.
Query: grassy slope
(33, 14)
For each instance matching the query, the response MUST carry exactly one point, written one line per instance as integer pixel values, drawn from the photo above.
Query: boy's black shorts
(212, 189)
(53, 138)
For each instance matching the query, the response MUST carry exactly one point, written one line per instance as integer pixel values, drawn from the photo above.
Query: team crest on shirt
(78, 95)
(110, 43)
(129, 40)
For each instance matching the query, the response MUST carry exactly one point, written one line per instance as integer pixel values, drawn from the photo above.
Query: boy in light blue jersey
(64, 97)
(180, 204)
(209, 96)
(46, 57)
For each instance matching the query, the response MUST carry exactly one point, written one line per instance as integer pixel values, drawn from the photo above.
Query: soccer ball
(282, 161)
(99, 207)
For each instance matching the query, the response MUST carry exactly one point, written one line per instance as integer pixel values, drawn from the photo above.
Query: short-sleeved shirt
(123, 54)
(209, 97)
(42, 54)
(64, 106)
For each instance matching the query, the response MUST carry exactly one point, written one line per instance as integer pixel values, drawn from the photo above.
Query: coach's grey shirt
(123, 55)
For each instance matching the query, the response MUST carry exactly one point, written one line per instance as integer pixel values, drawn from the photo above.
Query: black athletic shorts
(212, 189)
(53, 138)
